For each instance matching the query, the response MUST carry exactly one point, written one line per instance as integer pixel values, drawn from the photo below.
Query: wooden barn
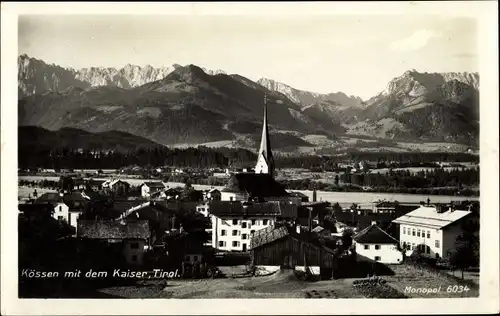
(289, 248)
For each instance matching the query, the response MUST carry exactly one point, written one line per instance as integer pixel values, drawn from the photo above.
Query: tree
(66, 183)
(336, 207)
(466, 251)
(347, 238)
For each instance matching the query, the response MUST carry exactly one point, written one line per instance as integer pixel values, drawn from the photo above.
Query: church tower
(265, 161)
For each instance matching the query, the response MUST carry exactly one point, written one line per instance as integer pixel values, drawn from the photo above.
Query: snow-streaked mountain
(414, 83)
(189, 104)
(306, 97)
(35, 76)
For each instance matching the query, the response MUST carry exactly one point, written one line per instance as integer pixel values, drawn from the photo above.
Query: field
(279, 285)
(364, 199)
(284, 284)
(410, 276)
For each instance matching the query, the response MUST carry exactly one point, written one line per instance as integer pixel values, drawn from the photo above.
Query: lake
(364, 199)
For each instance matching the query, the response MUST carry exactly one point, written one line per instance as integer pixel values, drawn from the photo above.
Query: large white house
(233, 223)
(151, 187)
(67, 207)
(432, 228)
(373, 243)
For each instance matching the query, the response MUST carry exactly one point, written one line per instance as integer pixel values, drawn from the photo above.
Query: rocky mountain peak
(35, 76)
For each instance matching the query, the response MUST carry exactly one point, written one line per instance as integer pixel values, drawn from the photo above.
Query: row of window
(234, 244)
(377, 247)
(195, 258)
(253, 222)
(235, 232)
(416, 232)
(427, 249)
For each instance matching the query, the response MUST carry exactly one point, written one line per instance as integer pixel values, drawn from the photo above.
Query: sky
(355, 54)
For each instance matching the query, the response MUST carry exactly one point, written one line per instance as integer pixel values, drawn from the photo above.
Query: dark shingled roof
(34, 208)
(255, 184)
(298, 194)
(123, 205)
(231, 208)
(113, 229)
(267, 235)
(273, 233)
(49, 197)
(374, 235)
(154, 184)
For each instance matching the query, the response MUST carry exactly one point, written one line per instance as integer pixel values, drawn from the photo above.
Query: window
(235, 233)
(60, 218)
(243, 225)
(230, 198)
(412, 246)
(195, 258)
(254, 221)
(188, 258)
(252, 231)
(223, 232)
(60, 208)
(243, 236)
(236, 243)
(436, 243)
(377, 247)
(235, 222)
(222, 244)
(377, 258)
(134, 258)
(367, 246)
(428, 234)
(134, 245)
(413, 232)
(404, 230)
(418, 232)
(264, 222)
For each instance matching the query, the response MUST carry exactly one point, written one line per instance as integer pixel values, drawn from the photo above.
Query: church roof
(255, 184)
(265, 142)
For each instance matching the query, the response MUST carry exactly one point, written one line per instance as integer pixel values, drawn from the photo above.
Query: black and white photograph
(192, 154)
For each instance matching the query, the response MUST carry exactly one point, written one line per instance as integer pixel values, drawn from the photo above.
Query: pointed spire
(265, 161)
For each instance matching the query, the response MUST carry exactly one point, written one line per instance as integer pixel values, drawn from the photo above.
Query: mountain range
(192, 105)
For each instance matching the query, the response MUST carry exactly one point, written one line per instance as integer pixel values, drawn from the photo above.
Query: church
(259, 185)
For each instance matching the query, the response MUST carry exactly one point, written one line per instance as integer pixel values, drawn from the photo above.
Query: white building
(212, 195)
(375, 244)
(233, 223)
(67, 208)
(151, 187)
(433, 228)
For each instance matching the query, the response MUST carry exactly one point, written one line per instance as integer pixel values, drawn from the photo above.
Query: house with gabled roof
(373, 243)
(288, 247)
(432, 228)
(151, 187)
(67, 207)
(260, 186)
(234, 222)
(130, 238)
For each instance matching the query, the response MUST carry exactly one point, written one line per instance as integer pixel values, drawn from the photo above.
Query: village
(249, 230)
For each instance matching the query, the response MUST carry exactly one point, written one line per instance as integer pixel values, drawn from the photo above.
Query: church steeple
(265, 161)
